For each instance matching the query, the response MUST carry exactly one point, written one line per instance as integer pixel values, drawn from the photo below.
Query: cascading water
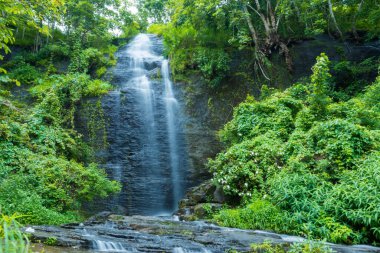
(147, 151)
(171, 104)
(102, 246)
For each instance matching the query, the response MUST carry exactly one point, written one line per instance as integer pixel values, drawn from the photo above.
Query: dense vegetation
(301, 163)
(56, 51)
(305, 160)
(205, 36)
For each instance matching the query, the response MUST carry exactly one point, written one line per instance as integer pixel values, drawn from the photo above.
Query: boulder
(201, 200)
(205, 210)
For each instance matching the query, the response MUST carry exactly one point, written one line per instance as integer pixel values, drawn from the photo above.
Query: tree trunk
(251, 27)
(354, 31)
(334, 19)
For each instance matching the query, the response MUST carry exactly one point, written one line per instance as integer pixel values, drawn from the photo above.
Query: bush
(304, 247)
(356, 199)
(61, 94)
(25, 74)
(246, 166)
(314, 160)
(253, 118)
(305, 196)
(45, 187)
(86, 60)
(42, 174)
(258, 214)
(12, 240)
(298, 192)
(330, 146)
(214, 64)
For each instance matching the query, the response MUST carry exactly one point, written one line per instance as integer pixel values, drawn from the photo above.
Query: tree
(26, 12)
(154, 9)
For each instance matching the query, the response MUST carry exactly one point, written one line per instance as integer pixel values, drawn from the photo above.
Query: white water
(103, 246)
(140, 51)
(171, 105)
(147, 150)
(182, 250)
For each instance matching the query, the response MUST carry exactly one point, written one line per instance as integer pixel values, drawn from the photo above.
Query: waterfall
(102, 246)
(171, 104)
(147, 152)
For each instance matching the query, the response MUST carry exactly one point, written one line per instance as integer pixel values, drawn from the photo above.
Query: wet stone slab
(115, 233)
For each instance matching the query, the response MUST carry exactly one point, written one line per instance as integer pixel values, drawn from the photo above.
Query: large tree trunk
(334, 19)
(354, 31)
(271, 23)
(251, 27)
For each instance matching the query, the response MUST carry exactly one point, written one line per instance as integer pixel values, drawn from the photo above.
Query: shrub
(304, 247)
(314, 160)
(12, 240)
(253, 118)
(41, 171)
(305, 196)
(246, 166)
(214, 64)
(258, 214)
(25, 73)
(356, 199)
(336, 144)
(298, 192)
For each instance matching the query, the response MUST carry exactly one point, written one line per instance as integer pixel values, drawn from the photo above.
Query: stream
(116, 233)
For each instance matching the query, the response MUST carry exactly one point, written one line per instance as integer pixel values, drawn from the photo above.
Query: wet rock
(206, 209)
(219, 196)
(154, 74)
(100, 217)
(200, 201)
(158, 234)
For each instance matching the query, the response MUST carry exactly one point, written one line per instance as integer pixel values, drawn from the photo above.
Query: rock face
(143, 120)
(156, 234)
(200, 201)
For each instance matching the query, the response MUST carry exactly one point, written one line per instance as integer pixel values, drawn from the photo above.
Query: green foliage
(25, 73)
(252, 119)
(42, 173)
(100, 72)
(267, 247)
(179, 46)
(320, 81)
(12, 240)
(15, 13)
(262, 28)
(304, 247)
(352, 77)
(356, 199)
(155, 9)
(314, 160)
(158, 29)
(259, 214)
(83, 60)
(214, 64)
(310, 247)
(330, 146)
(51, 241)
(246, 166)
(45, 167)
